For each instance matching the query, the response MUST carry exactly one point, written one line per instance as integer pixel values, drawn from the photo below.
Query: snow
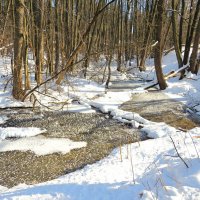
(112, 100)
(166, 167)
(121, 114)
(3, 119)
(186, 91)
(6, 99)
(2, 188)
(74, 95)
(148, 170)
(192, 76)
(10, 132)
(41, 145)
(156, 130)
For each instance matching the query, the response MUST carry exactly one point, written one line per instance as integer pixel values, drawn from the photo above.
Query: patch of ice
(3, 119)
(19, 132)
(41, 145)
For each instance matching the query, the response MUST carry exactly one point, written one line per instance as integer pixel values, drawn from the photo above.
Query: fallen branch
(167, 76)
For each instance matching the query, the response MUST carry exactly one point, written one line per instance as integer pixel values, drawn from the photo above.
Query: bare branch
(178, 153)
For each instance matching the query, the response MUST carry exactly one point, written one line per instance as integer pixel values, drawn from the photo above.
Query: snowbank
(149, 170)
(157, 130)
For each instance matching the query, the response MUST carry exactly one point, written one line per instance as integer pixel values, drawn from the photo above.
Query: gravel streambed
(158, 107)
(101, 133)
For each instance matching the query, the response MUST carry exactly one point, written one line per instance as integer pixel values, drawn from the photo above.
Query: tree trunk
(38, 10)
(158, 48)
(57, 44)
(181, 24)
(193, 57)
(147, 38)
(191, 33)
(25, 57)
(175, 35)
(18, 92)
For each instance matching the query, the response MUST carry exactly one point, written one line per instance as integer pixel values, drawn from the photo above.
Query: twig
(132, 168)
(36, 100)
(47, 95)
(7, 82)
(120, 152)
(178, 153)
(194, 144)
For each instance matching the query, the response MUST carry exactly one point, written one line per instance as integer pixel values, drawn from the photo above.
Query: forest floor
(164, 167)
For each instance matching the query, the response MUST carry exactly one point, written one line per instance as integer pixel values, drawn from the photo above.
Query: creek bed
(101, 133)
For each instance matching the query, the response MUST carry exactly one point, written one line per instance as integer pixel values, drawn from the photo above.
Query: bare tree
(158, 48)
(18, 91)
(194, 66)
(175, 33)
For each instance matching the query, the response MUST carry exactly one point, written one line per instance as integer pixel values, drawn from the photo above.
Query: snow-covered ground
(167, 167)
(148, 170)
(186, 90)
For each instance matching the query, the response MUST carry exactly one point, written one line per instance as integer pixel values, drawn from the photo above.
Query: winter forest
(100, 99)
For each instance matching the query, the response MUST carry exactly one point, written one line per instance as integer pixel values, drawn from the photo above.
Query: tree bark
(147, 38)
(191, 33)
(193, 58)
(18, 91)
(181, 24)
(158, 48)
(38, 10)
(175, 35)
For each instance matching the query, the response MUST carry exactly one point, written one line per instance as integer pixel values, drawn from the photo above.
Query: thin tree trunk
(175, 35)
(191, 33)
(25, 57)
(194, 54)
(147, 37)
(181, 24)
(38, 10)
(57, 44)
(18, 92)
(158, 48)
